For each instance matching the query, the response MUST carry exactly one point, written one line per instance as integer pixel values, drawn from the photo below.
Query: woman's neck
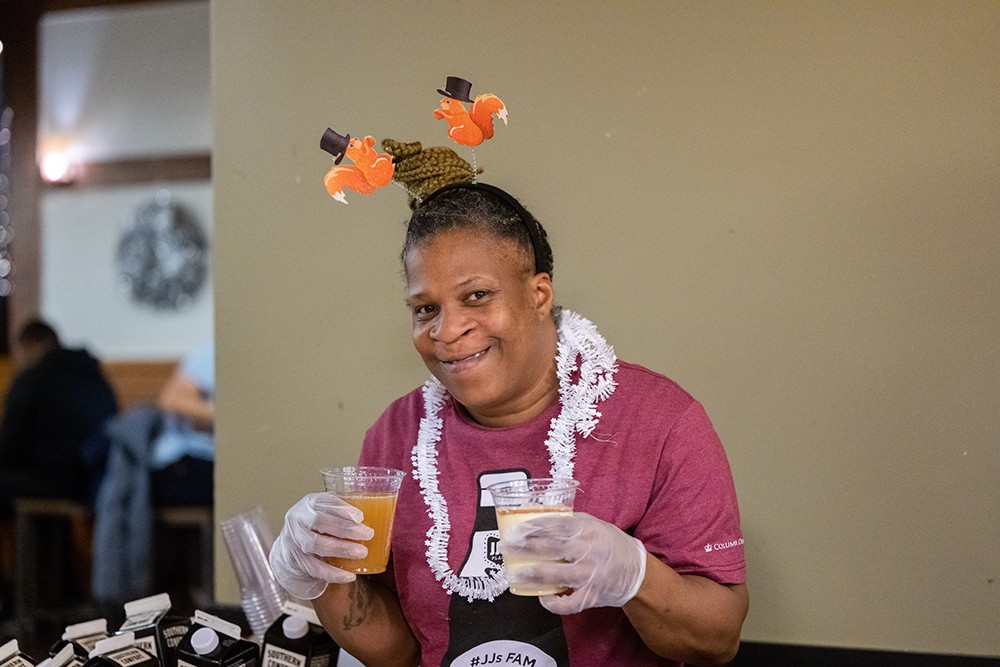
(526, 408)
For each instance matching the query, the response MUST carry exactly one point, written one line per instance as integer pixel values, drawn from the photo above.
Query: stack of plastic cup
(248, 539)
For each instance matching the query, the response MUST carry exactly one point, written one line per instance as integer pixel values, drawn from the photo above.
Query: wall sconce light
(56, 167)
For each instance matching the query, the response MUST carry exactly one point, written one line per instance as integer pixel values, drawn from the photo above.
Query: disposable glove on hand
(600, 564)
(317, 527)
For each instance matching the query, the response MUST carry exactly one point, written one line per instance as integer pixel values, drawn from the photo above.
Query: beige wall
(791, 208)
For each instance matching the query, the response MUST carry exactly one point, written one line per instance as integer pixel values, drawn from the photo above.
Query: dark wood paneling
(19, 33)
(56, 5)
(137, 382)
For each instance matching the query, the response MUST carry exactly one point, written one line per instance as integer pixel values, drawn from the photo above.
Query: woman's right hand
(317, 527)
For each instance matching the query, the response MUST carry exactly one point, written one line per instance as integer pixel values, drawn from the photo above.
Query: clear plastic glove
(600, 564)
(317, 527)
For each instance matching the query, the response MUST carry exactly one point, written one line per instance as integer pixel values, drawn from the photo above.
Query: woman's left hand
(600, 564)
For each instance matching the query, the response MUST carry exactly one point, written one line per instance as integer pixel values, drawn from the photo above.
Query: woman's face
(482, 324)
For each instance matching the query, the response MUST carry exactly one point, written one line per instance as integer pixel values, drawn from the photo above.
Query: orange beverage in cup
(379, 509)
(373, 491)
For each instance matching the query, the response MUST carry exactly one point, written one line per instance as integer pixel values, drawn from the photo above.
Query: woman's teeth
(468, 358)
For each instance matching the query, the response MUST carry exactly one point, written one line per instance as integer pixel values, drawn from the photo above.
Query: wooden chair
(199, 519)
(72, 526)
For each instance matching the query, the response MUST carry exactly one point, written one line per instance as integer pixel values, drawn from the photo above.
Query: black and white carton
(11, 656)
(155, 628)
(82, 637)
(215, 642)
(297, 639)
(64, 657)
(120, 651)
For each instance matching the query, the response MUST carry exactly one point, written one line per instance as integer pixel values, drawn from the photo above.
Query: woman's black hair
(480, 206)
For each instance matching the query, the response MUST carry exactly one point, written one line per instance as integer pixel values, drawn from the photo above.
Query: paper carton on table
(64, 657)
(120, 651)
(297, 639)
(82, 637)
(11, 656)
(155, 628)
(214, 642)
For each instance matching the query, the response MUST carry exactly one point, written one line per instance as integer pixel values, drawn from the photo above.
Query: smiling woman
(479, 312)
(523, 389)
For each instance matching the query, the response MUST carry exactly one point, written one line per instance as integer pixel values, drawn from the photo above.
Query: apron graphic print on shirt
(511, 630)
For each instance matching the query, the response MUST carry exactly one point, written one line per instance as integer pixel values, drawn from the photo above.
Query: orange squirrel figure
(469, 128)
(371, 169)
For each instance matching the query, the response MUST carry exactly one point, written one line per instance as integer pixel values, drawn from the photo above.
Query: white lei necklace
(581, 347)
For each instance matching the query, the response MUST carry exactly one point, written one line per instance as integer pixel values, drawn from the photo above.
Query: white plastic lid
(295, 627)
(204, 640)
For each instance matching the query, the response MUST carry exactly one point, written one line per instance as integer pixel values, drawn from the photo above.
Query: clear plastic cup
(373, 491)
(248, 539)
(521, 500)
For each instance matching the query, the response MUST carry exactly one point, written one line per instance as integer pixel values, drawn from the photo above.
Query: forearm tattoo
(360, 597)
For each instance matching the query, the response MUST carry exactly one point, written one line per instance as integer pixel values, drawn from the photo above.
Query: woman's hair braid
(421, 171)
(424, 171)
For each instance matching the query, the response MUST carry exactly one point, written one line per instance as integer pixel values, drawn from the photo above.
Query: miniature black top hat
(457, 89)
(334, 144)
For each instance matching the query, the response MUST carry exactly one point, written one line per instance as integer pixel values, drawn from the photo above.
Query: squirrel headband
(425, 173)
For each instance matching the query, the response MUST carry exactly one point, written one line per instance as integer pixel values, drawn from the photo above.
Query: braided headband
(526, 219)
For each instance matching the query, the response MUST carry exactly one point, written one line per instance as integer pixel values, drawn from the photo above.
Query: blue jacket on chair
(123, 518)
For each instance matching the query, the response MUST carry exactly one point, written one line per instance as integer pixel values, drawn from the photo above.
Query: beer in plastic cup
(520, 500)
(373, 491)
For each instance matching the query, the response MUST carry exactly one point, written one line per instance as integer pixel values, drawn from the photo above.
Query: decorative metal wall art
(163, 256)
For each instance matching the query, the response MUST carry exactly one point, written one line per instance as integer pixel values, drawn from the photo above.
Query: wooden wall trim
(140, 170)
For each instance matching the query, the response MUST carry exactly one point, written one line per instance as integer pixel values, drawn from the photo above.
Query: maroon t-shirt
(654, 467)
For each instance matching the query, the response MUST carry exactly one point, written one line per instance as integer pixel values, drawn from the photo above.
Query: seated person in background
(184, 451)
(58, 401)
